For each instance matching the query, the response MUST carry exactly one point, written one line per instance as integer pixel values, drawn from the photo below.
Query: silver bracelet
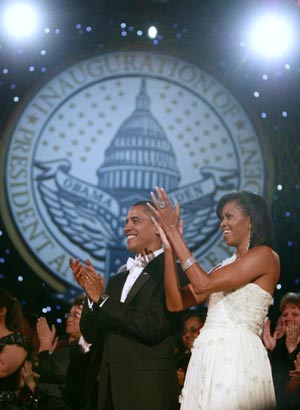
(188, 263)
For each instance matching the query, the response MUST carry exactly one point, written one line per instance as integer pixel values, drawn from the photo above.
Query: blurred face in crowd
(72, 324)
(290, 315)
(191, 330)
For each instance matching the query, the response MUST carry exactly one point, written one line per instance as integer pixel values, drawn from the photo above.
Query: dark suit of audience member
(67, 374)
(52, 368)
(138, 368)
(80, 392)
(282, 362)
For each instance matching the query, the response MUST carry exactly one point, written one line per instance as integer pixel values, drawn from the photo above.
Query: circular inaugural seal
(99, 136)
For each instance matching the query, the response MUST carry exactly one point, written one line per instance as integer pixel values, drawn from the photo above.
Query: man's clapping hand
(86, 276)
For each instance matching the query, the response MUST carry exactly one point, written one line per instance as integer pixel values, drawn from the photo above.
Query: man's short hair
(145, 206)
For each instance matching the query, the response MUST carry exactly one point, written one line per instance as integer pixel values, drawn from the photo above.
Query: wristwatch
(103, 298)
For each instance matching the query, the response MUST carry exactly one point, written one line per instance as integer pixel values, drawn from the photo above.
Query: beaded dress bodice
(246, 307)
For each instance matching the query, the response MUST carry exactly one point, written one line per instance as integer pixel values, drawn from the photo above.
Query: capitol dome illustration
(140, 156)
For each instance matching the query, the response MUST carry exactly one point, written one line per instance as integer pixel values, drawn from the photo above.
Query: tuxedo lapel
(116, 286)
(154, 266)
(141, 280)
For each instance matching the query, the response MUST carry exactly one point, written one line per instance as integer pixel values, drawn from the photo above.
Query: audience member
(284, 350)
(192, 324)
(138, 367)
(62, 385)
(82, 375)
(293, 385)
(13, 350)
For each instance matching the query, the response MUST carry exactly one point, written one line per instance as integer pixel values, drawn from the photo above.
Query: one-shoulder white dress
(229, 368)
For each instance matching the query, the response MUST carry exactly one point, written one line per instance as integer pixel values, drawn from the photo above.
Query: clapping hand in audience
(292, 337)
(269, 339)
(47, 336)
(28, 377)
(295, 374)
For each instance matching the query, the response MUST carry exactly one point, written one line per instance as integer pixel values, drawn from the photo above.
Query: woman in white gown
(229, 368)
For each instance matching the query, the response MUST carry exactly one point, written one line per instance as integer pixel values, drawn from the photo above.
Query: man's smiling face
(140, 231)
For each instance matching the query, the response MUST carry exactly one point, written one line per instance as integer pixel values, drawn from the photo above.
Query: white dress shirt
(135, 271)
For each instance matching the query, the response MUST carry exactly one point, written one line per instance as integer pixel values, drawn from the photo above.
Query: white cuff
(90, 303)
(84, 345)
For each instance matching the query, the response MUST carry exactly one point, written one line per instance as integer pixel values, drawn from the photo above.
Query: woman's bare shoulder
(265, 251)
(269, 259)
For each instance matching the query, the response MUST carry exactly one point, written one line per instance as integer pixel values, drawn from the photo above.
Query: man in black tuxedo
(131, 321)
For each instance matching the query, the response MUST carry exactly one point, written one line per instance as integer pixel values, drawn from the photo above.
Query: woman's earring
(249, 238)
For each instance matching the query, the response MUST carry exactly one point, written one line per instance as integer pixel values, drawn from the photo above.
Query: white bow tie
(139, 261)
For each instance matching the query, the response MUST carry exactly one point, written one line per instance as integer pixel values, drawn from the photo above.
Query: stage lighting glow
(152, 32)
(272, 36)
(20, 19)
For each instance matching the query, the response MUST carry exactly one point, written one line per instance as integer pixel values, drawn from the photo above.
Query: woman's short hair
(290, 298)
(255, 206)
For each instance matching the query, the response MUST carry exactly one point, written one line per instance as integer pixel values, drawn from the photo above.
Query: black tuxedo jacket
(137, 338)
